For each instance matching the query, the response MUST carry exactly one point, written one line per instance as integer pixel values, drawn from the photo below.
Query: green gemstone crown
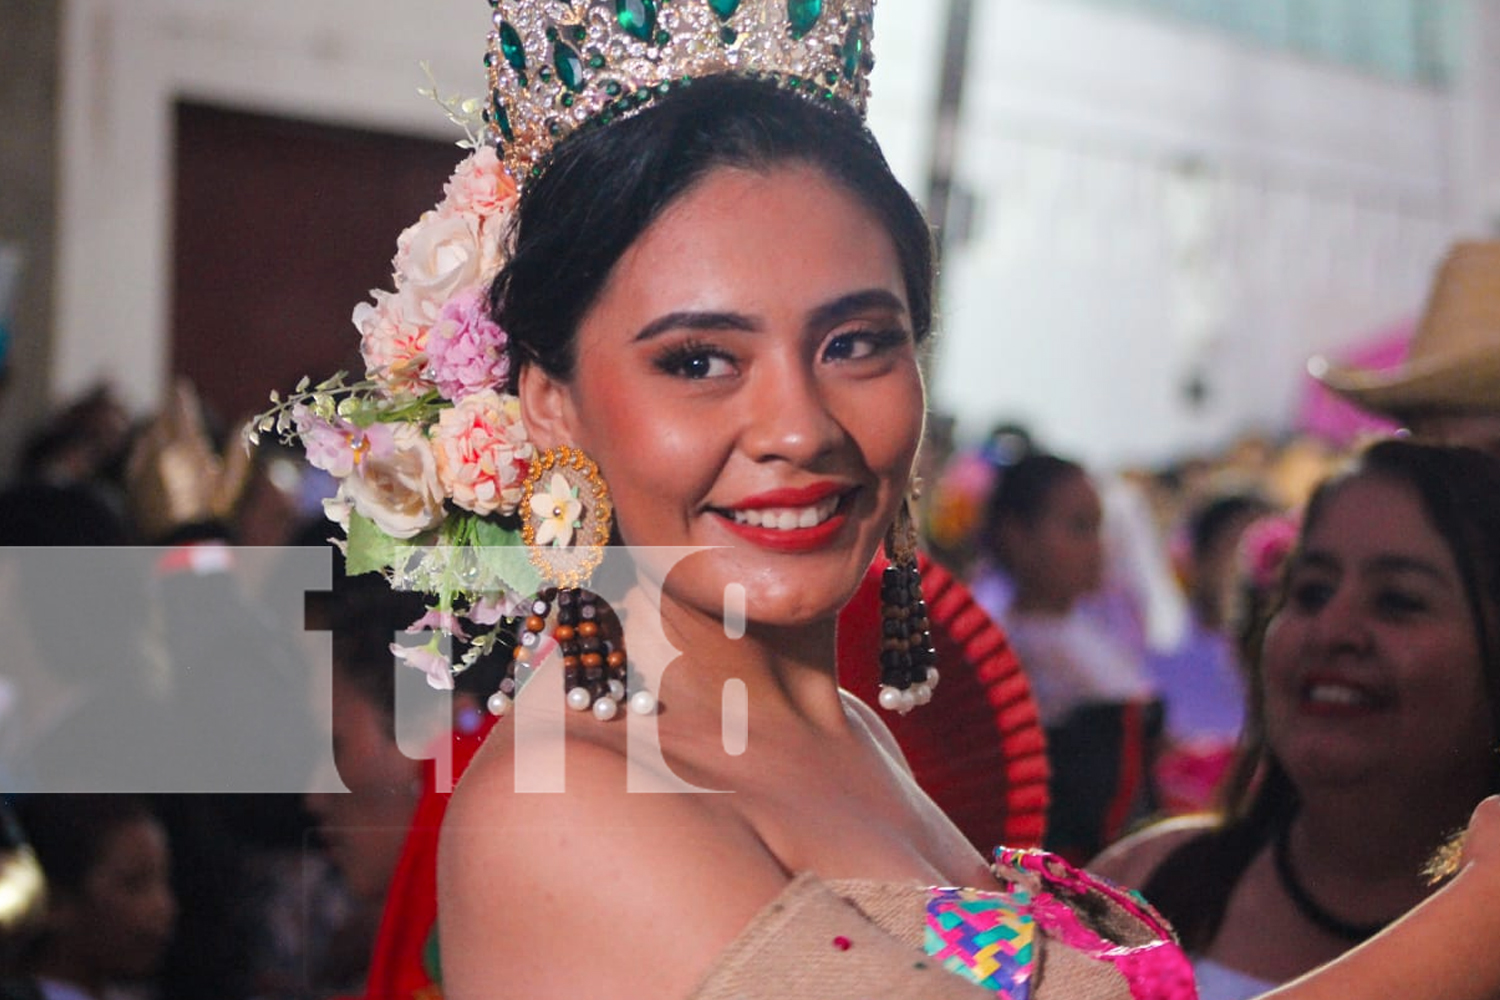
(557, 65)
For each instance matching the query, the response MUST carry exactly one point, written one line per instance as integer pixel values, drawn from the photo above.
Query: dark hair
(603, 187)
(363, 613)
(1022, 494)
(1457, 489)
(1209, 522)
(68, 832)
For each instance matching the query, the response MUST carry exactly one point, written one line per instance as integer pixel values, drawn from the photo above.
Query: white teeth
(1335, 694)
(788, 518)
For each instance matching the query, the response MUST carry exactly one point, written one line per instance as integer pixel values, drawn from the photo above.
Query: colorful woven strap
(1155, 970)
(986, 937)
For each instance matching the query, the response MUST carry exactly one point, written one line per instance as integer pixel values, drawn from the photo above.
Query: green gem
(580, 33)
(794, 82)
(596, 61)
(551, 34)
(803, 14)
(569, 66)
(622, 105)
(724, 8)
(664, 88)
(728, 35)
(502, 120)
(643, 95)
(612, 88)
(545, 73)
(831, 77)
(554, 129)
(852, 51)
(567, 100)
(637, 17)
(489, 60)
(662, 37)
(511, 47)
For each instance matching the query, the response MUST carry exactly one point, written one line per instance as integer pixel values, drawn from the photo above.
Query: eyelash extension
(879, 341)
(671, 359)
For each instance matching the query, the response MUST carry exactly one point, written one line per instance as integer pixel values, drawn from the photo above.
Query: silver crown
(555, 66)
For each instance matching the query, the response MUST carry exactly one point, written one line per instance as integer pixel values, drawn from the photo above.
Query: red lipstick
(791, 539)
(801, 496)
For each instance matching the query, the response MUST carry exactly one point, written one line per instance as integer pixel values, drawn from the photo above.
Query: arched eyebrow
(848, 306)
(1387, 565)
(824, 316)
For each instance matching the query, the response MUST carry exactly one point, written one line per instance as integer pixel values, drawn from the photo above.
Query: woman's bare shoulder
(1130, 862)
(878, 730)
(649, 885)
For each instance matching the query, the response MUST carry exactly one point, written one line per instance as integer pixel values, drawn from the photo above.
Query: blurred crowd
(1290, 650)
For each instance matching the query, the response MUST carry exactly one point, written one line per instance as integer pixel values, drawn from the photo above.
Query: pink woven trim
(1158, 970)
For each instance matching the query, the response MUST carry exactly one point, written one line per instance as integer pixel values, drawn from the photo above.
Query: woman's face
(365, 827)
(120, 920)
(1372, 668)
(747, 380)
(1059, 557)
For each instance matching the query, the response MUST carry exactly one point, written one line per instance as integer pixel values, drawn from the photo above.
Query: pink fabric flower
(491, 608)
(482, 453)
(393, 340)
(1265, 546)
(430, 660)
(438, 621)
(465, 348)
(480, 186)
(333, 446)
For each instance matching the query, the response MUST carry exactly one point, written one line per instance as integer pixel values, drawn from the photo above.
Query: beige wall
(28, 203)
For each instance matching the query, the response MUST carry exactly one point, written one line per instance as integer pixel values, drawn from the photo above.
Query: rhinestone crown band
(557, 65)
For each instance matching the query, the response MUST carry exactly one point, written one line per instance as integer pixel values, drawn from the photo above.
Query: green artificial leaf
(370, 550)
(502, 555)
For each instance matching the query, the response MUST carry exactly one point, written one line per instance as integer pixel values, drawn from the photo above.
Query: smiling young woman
(1375, 714)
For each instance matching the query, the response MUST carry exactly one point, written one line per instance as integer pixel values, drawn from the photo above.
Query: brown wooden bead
(564, 633)
(588, 629)
(535, 623)
(591, 660)
(520, 654)
(616, 658)
(570, 663)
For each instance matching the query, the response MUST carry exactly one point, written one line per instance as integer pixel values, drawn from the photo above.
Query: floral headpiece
(432, 460)
(428, 449)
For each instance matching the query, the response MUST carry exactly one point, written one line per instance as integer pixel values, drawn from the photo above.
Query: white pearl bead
(908, 701)
(578, 699)
(921, 694)
(499, 703)
(643, 703)
(616, 690)
(605, 709)
(932, 677)
(890, 699)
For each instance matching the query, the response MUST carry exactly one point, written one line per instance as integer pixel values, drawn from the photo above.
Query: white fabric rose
(396, 484)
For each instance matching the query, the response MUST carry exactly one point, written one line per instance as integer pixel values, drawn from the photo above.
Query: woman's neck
(1367, 847)
(692, 659)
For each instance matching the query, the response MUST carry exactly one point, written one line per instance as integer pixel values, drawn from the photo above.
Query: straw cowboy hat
(1454, 361)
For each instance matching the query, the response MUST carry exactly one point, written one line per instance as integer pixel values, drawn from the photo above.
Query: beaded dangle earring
(566, 528)
(908, 670)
